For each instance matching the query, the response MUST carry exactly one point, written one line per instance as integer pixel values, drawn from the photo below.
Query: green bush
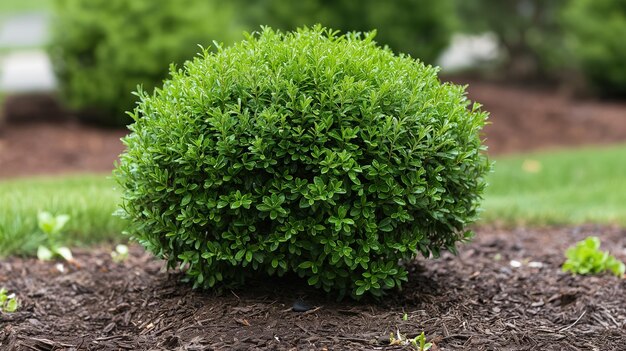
(304, 152)
(102, 49)
(421, 28)
(595, 35)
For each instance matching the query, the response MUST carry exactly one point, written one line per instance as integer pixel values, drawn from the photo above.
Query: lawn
(90, 200)
(565, 187)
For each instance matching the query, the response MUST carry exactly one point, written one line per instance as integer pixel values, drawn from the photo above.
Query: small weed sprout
(418, 342)
(587, 258)
(8, 302)
(120, 254)
(52, 226)
(423, 345)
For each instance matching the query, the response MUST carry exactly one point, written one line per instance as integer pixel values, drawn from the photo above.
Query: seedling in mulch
(52, 226)
(120, 254)
(419, 342)
(8, 302)
(587, 258)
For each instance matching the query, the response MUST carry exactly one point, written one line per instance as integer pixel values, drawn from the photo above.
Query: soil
(475, 301)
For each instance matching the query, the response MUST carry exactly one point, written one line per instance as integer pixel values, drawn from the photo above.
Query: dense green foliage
(102, 49)
(595, 34)
(421, 28)
(304, 152)
(587, 258)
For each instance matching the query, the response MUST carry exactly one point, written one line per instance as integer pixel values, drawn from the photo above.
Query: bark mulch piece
(474, 301)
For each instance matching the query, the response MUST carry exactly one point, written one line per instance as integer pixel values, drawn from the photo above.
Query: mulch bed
(474, 301)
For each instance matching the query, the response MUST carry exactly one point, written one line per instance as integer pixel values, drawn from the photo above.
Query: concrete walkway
(24, 66)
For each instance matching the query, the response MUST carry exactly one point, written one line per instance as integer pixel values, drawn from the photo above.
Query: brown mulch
(476, 301)
(522, 119)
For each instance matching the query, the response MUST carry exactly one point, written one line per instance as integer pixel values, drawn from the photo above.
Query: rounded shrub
(593, 29)
(102, 49)
(304, 152)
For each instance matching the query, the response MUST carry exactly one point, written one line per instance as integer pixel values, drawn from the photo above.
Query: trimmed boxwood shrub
(102, 49)
(304, 152)
(595, 35)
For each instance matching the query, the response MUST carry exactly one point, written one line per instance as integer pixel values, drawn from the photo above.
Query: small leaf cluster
(419, 342)
(8, 302)
(52, 226)
(587, 258)
(306, 152)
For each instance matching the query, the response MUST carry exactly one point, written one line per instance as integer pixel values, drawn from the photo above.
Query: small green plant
(8, 302)
(423, 345)
(52, 226)
(120, 254)
(587, 258)
(418, 342)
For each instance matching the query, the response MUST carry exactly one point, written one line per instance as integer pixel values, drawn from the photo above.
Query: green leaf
(44, 254)
(186, 200)
(305, 265)
(65, 253)
(313, 279)
(11, 305)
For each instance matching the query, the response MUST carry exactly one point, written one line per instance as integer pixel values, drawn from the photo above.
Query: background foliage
(421, 28)
(102, 49)
(528, 31)
(595, 31)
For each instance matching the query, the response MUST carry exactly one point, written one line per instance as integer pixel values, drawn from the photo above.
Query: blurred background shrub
(421, 28)
(528, 33)
(595, 31)
(102, 49)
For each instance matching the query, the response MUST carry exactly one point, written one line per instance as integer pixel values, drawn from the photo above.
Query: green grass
(88, 199)
(571, 187)
(18, 6)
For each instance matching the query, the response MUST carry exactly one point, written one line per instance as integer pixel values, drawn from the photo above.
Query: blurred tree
(529, 31)
(421, 28)
(595, 35)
